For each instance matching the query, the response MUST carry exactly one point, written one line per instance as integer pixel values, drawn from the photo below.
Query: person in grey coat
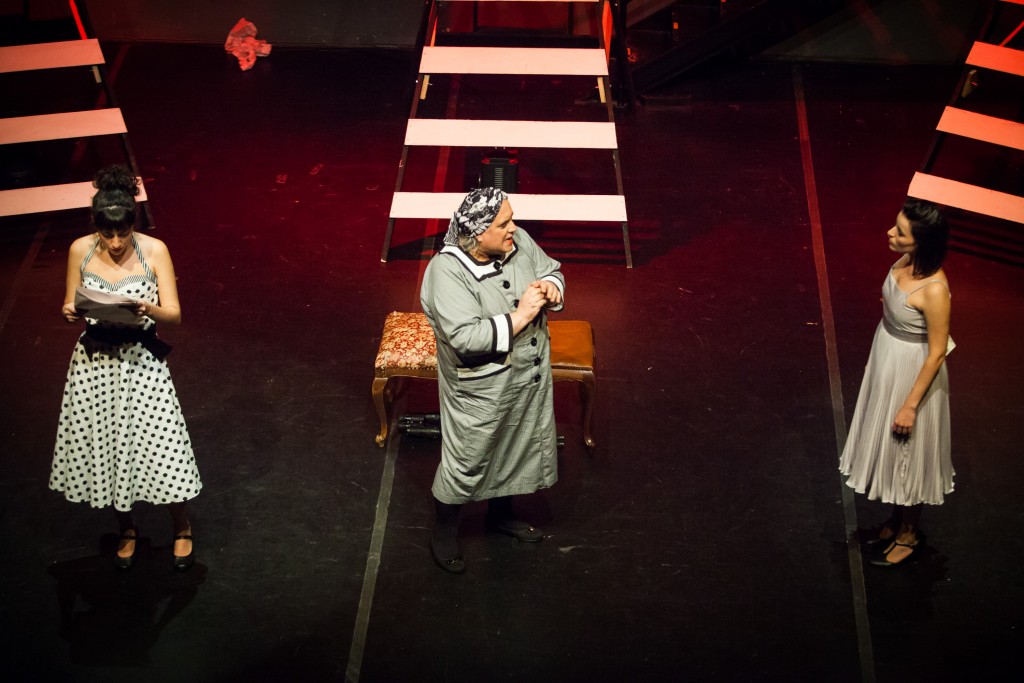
(486, 294)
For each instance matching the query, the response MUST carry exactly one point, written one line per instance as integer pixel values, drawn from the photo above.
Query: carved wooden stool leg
(379, 386)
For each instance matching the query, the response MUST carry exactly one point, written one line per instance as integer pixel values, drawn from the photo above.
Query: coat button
(536, 361)
(536, 378)
(533, 342)
(506, 284)
(515, 303)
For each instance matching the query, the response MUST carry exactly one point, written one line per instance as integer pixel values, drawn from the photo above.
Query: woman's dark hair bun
(116, 178)
(113, 205)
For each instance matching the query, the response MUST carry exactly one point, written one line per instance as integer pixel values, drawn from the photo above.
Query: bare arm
(73, 277)
(168, 311)
(936, 309)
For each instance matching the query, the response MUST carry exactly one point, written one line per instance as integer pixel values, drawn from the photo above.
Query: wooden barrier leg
(588, 387)
(387, 241)
(625, 242)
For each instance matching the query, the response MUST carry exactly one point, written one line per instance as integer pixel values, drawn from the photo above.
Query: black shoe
(123, 564)
(452, 565)
(872, 538)
(882, 559)
(184, 563)
(515, 528)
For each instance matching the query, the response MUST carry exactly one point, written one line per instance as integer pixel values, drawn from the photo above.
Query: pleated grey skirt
(887, 468)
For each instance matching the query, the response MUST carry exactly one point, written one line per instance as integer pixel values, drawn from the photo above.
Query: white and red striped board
(74, 124)
(477, 133)
(997, 58)
(537, 207)
(527, 61)
(50, 55)
(968, 197)
(51, 198)
(981, 127)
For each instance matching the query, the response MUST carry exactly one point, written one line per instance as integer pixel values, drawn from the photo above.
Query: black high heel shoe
(123, 564)
(183, 563)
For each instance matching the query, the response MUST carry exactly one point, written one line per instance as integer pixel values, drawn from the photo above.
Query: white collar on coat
(480, 271)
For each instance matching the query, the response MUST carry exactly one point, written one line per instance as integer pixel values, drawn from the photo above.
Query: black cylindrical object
(422, 432)
(500, 168)
(420, 419)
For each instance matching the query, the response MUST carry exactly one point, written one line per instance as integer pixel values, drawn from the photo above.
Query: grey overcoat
(497, 419)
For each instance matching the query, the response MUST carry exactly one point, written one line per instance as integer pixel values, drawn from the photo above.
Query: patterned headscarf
(477, 212)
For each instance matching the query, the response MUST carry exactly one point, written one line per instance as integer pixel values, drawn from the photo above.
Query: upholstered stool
(572, 358)
(407, 349)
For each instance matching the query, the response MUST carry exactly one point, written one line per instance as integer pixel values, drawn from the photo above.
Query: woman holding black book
(122, 437)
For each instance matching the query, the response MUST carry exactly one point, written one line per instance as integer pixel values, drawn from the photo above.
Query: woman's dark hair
(930, 231)
(113, 205)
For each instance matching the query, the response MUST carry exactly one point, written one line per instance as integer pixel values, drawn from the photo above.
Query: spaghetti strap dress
(121, 437)
(886, 467)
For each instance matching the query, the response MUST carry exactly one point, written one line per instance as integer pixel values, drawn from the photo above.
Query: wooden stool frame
(577, 366)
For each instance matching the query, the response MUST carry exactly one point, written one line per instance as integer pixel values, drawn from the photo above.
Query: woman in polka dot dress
(122, 437)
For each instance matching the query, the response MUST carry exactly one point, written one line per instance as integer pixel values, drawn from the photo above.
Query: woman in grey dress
(485, 294)
(898, 447)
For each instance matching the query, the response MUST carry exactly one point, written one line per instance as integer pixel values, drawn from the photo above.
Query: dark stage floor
(703, 539)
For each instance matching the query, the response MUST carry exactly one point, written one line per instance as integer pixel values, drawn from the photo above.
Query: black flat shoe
(874, 540)
(184, 563)
(123, 564)
(882, 559)
(452, 565)
(516, 528)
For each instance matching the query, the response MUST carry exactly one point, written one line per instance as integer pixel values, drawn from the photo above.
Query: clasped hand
(552, 295)
(539, 294)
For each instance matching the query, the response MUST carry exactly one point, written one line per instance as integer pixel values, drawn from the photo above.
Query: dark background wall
(327, 23)
(886, 31)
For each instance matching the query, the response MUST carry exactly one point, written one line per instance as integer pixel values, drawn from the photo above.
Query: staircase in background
(73, 54)
(982, 125)
(512, 61)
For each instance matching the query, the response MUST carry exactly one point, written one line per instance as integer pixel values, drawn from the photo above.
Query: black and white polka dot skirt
(122, 437)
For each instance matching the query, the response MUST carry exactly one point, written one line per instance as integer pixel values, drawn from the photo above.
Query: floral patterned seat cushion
(407, 342)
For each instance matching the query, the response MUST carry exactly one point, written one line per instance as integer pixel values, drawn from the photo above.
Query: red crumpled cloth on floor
(242, 43)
